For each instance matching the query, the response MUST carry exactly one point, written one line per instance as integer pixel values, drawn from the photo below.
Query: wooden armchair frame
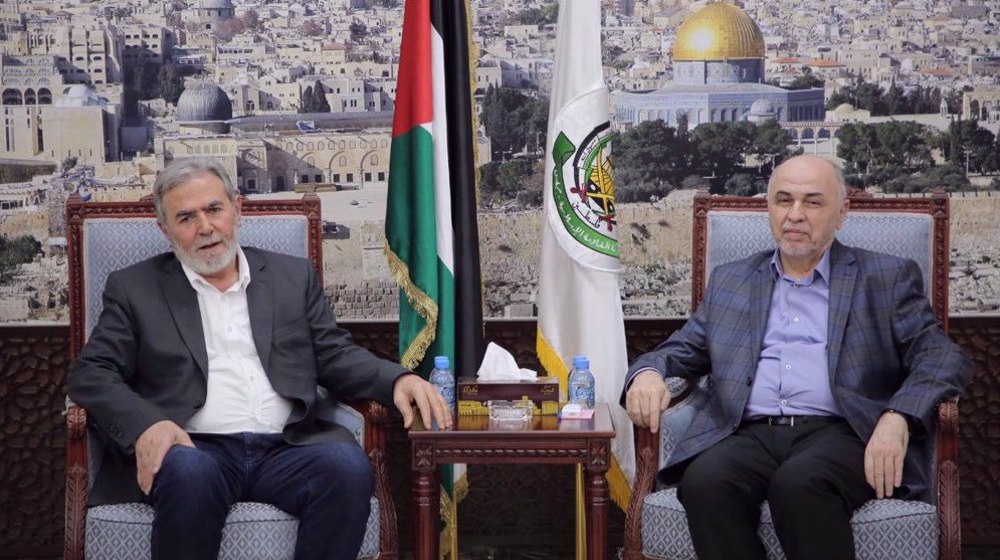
(376, 416)
(647, 444)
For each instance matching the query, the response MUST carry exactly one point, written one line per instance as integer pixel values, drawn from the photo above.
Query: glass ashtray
(518, 425)
(510, 411)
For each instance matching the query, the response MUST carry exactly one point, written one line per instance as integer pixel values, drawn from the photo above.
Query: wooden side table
(546, 441)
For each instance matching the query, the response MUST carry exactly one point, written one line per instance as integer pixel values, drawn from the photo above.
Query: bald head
(815, 165)
(806, 203)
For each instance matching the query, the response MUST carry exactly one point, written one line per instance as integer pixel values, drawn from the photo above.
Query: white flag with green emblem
(579, 306)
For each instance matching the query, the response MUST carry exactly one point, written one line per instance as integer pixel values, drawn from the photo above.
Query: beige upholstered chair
(729, 228)
(102, 237)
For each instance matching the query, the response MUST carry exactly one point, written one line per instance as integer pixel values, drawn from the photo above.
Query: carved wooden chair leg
(388, 534)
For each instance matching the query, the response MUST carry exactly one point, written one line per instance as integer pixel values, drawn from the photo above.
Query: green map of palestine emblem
(586, 205)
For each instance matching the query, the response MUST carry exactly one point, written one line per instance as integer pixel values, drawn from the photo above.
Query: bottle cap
(581, 362)
(442, 362)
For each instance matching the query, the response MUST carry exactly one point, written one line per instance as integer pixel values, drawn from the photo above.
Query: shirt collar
(197, 280)
(822, 269)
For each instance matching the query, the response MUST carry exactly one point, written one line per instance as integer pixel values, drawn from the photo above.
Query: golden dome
(719, 32)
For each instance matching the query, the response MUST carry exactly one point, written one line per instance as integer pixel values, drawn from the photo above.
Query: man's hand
(646, 399)
(885, 452)
(411, 388)
(152, 447)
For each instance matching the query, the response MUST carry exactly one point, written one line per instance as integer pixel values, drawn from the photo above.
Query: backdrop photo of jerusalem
(298, 97)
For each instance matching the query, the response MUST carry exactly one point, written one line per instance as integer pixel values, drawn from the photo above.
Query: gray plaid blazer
(886, 350)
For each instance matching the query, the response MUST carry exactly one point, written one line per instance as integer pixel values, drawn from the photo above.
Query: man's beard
(793, 250)
(790, 250)
(209, 264)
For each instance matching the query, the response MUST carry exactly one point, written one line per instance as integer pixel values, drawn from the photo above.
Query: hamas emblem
(586, 204)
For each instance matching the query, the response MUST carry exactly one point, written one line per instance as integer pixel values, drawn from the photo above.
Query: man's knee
(347, 466)
(703, 482)
(187, 467)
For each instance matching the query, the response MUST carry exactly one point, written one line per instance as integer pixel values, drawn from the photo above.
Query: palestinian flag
(432, 239)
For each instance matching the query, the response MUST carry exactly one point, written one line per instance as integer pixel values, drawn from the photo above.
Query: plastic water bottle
(443, 380)
(581, 383)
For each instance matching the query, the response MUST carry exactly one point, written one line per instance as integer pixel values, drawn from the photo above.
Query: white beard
(790, 250)
(207, 265)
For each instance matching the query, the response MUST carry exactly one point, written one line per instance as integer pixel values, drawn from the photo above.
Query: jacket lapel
(843, 274)
(183, 303)
(260, 300)
(762, 286)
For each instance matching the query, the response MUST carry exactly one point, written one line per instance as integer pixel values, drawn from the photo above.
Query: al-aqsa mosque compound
(718, 60)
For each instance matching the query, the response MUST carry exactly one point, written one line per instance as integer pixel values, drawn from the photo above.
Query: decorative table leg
(426, 504)
(597, 501)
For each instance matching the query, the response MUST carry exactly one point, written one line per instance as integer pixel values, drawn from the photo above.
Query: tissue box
(543, 392)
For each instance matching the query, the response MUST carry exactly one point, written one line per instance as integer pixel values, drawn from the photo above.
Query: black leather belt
(794, 420)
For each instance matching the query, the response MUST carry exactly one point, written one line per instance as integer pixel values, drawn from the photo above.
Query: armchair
(729, 228)
(103, 237)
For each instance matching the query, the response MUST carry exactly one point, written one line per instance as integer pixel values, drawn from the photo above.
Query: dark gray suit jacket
(146, 359)
(886, 350)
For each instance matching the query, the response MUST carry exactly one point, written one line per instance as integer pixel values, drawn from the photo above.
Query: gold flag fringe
(473, 84)
(449, 516)
(461, 487)
(554, 365)
(421, 303)
(581, 517)
(618, 484)
(449, 536)
(551, 361)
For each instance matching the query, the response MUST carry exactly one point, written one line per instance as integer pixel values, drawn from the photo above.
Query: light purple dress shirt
(792, 374)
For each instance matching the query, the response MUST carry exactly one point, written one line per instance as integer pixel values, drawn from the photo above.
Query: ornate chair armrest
(352, 419)
(376, 421)
(647, 454)
(76, 482)
(947, 478)
(679, 388)
(646, 463)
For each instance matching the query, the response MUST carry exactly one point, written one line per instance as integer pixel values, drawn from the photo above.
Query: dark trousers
(812, 476)
(326, 486)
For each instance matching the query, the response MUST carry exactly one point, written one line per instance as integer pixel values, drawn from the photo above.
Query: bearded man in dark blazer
(827, 364)
(202, 374)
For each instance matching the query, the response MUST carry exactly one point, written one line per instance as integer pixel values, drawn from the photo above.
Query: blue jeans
(327, 486)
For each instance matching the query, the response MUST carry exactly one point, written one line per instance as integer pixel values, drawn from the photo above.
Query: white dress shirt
(240, 397)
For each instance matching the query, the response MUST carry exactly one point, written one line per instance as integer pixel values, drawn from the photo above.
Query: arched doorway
(12, 96)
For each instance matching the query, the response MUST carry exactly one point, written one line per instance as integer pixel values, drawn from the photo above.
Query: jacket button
(735, 426)
(749, 381)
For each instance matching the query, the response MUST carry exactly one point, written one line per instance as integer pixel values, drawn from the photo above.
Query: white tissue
(499, 365)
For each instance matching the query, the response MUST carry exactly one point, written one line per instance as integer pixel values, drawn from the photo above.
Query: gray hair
(838, 173)
(180, 171)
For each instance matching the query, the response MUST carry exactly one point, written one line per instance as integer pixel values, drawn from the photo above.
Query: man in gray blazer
(827, 364)
(202, 374)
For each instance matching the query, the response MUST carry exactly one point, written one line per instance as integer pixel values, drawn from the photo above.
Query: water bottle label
(443, 381)
(448, 393)
(584, 396)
